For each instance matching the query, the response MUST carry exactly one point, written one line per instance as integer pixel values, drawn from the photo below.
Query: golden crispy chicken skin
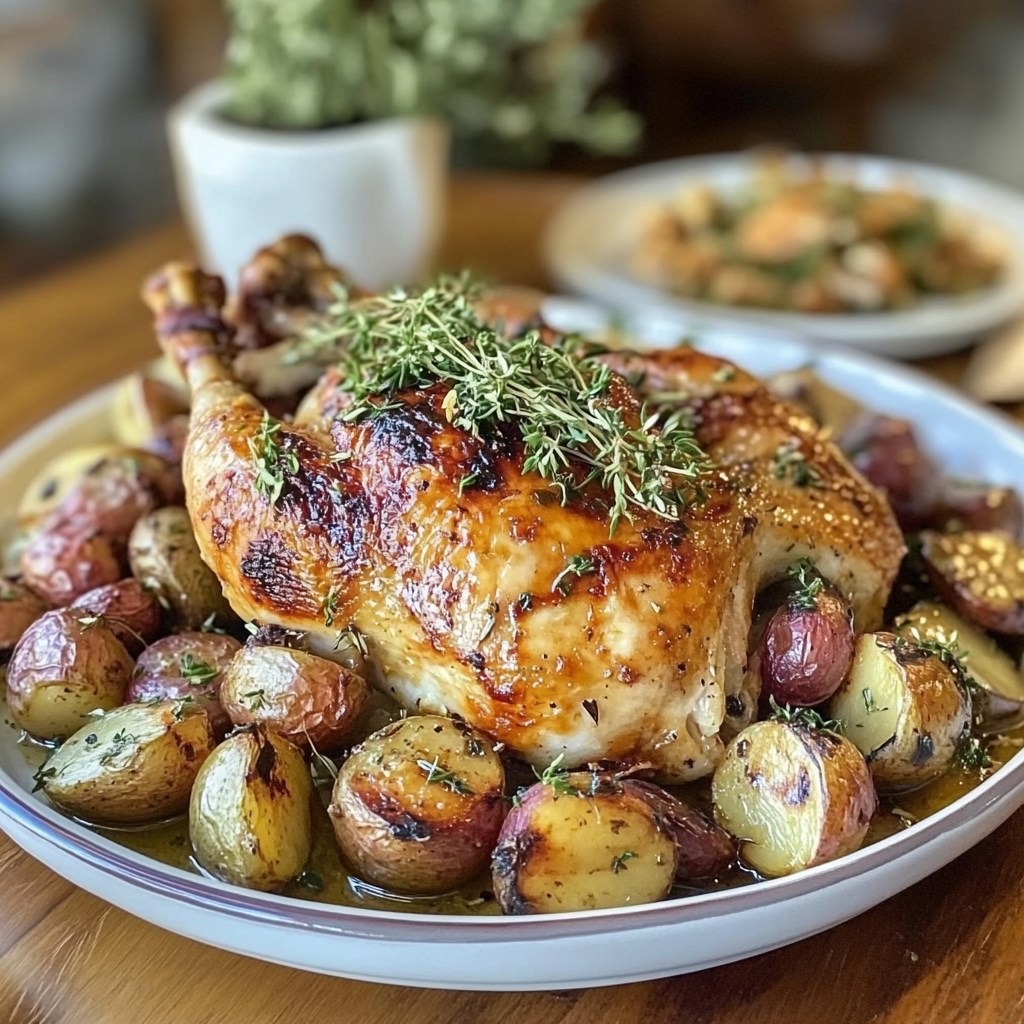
(479, 594)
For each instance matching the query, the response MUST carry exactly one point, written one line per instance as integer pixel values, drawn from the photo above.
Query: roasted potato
(312, 701)
(164, 555)
(903, 709)
(998, 703)
(53, 482)
(134, 764)
(128, 608)
(19, 608)
(418, 805)
(886, 451)
(807, 645)
(142, 405)
(969, 505)
(980, 574)
(168, 441)
(250, 817)
(186, 665)
(793, 796)
(61, 562)
(580, 842)
(64, 667)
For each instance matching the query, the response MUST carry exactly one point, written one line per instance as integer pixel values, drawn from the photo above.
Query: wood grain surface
(950, 949)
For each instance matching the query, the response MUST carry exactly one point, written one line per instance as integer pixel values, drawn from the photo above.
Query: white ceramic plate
(589, 241)
(564, 950)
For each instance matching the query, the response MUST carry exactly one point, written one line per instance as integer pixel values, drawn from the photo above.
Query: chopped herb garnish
(806, 717)
(560, 398)
(971, 754)
(869, 701)
(948, 652)
(210, 625)
(557, 778)
(810, 584)
(351, 636)
(330, 606)
(619, 861)
(578, 565)
(444, 777)
(467, 480)
(310, 880)
(197, 672)
(791, 463)
(120, 742)
(41, 776)
(254, 700)
(271, 460)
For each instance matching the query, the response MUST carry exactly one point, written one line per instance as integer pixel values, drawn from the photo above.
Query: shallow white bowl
(588, 243)
(565, 950)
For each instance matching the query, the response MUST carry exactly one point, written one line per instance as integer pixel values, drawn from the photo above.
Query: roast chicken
(459, 597)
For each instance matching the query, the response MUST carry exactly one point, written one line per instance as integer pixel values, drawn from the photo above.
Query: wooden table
(949, 949)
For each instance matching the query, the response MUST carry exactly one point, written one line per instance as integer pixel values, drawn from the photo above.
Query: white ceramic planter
(371, 194)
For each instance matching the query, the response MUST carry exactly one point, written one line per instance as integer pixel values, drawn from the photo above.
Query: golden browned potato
(64, 667)
(61, 562)
(971, 505)
(164, 555)
(53, 482)
(980, 574)
(580, 842)
(417, 806)
(903, 708)
(128, 608)
(186, 665)
(310, 700)
(132, 765)
(142, 405)
(249, 817)
(19, 608)
(998, 702)
(793, 795)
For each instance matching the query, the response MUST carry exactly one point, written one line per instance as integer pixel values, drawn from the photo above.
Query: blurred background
(84, 85)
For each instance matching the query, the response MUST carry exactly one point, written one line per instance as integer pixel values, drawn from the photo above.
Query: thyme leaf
(578, 565)
(448, 779)
(810, 584)
(197, 672)
(791, 463)
(806, 717)
(272, 462)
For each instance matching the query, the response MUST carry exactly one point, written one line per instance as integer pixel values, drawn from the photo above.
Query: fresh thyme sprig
(791, 463)
(559, 396)
(271, 460)
(806, 717)
(577, 565)
(810, 584)
(197, 672)
(443, 777)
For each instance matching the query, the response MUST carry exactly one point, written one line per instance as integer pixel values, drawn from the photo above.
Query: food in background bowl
(806, 240)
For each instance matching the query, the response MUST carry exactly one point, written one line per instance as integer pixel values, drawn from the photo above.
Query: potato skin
(584, 843)
(162, 672)
(249, 816)
(980, 574)
(806, 652)
(62, 473)
(793, 796)
(164, 555)
(19, 608)
(61, 670)
(131, 612)
(309, 700)
(134, 765)
(61, 562)
(404, 830)
(903, 709)
(968, 505)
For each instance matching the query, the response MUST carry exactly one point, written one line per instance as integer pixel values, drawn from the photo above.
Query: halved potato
(1001, 704)
(980, 574)
(65, 666)
(249, 817)
(417, 806)
(903, 708)
(582, 843)
(311, 701)
(794, 796)
(134, 764)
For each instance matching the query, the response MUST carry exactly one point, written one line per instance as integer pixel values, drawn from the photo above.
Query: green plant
(518, 73)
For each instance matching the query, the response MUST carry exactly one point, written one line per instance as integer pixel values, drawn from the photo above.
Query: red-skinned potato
(19, 608)
(980, 574)
(807, 646)
(886, 451)
(250, 815)
(62, 669)
(311, 701)
(968, 505)
(130, 610)
(133, 765)
(580, 842)
(186, 665)
(904, 709)
(793, 796)
(417, 806)
(60, 563)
